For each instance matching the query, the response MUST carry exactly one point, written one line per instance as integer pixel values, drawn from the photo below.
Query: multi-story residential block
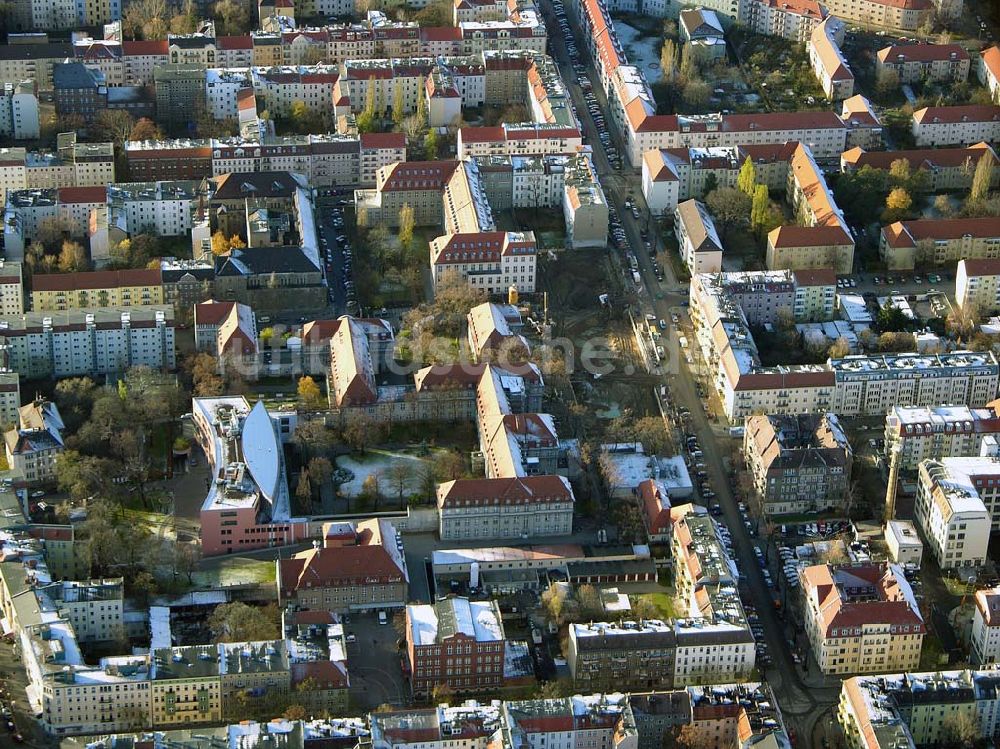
(72, 291)
(72, 165)
(956, 503)
(585, 208)
(984, 641)
(977, 287)
(875, 384)
(457, 642)
(914, 63)
(11, 288)
(909, 710)
(492, 333)
(180, 91)
(521, 139)
(34, 444)
(944, 168)
(700, 246)
(861, 618)
(79, 90)
(923, 432)
(247, 506)
(106, 55)
(92, 341)
(799, 463)
(989, 71)
(19, 111)
(822, 240)
(905, 15)
(630, 654)
(828, 62)
(10, 399)
(358, 568)
(33, 60)
(904, 244)
(793, 20)
(674, 174)
(956, 126)
(516, 507)
(95, 608)
(216, 324)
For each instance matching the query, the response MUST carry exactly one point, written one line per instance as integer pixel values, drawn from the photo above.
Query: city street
(802, 703)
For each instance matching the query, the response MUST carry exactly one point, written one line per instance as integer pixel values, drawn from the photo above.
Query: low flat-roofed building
(905, 547)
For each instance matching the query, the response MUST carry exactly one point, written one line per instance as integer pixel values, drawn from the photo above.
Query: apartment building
(95, 608)
(516, 507)
(34, 61)
(793, 20)
(977, 287)
(247, 505)
(357, 568)
(861, 618)
(700, 246)
(10, 398)
(944, 168)
(585, 208)
(701, 30)
(828, 62)
(34, 444)
(457, 642)
(989, 71)
(904, 244)
(904, 15)
(79, 90)
(19, 111)
(932, 431)
(914, 63)
(908, 710)
(674, 174)
(799, 463)
(521, 139)
(631, 655)
(822, 240)
(956, 499)
(714, 642)
(875, 384)
(984, 641)
(956, 126)
(494, 330)
(71, 165)
(11, 288)
(73, 291)
(92, 341)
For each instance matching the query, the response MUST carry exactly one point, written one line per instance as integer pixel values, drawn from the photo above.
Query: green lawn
(234, 571)
(664, 604)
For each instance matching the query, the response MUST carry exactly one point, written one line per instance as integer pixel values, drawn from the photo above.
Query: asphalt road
(801, 704)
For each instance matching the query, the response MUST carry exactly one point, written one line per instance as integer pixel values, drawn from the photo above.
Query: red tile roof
(922, 53)
(950, 115)
(95, 194)
(383, 140)
(101, 279)
(991, 60)
(156, 47)
(506, 491)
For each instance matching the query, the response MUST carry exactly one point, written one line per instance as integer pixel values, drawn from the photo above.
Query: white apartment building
(956, 501)
(522, 139)
(828, 62)
(19, 111)
(222, 85)
(875, 384)
(989, 71)
(95, 341)
(977, 286)
(985, 639)
(35, 442)
(277, 88)
(163, 209)
(493, 260)
(790, 19)
(700, 246)
(76, 165)
(956, 126)
(11, 288)
(924, 432)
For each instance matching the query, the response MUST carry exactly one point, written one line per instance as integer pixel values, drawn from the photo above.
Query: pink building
(248, 505)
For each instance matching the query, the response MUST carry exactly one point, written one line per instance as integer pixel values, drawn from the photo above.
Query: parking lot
(338, 255)
(376, 675)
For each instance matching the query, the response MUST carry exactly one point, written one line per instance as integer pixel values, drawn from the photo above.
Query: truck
(636, 278)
